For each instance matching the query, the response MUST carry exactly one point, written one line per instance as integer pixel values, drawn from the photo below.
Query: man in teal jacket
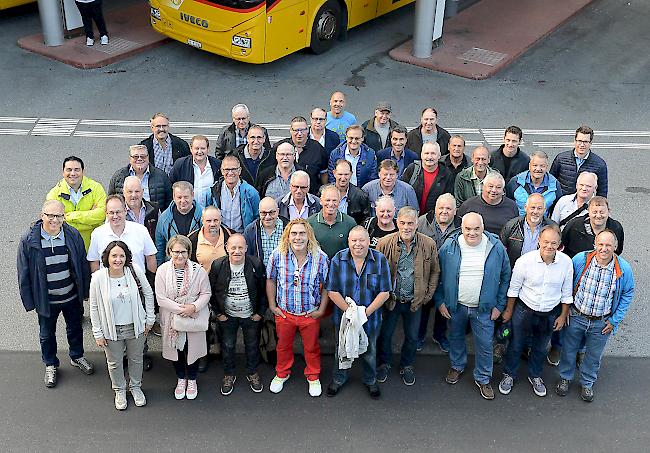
(474, 278)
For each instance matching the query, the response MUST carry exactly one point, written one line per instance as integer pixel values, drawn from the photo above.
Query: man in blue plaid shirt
(363, 275)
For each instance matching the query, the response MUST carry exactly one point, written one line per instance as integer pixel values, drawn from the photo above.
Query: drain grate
(115, 45)
(483, 56)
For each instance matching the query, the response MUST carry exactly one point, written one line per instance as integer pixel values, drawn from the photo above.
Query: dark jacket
(408, 156)
(313, 206)
(512, 236)
(564, 168)
(32, 275)
(194, 239)
(445, 161)
(577, 235)
(494, 216)
(267, 160)
(227, 143)
(264, 178)
(414, 139)
(151, 214)
(358, 204)
(255, 275)
(183, 169)
(518, 163)
(253, 236)
(332, 140)
(180, 148)
(160, 188)
(313, 160)
(444, 183)
(372, 138)
(427, 226)
(366, 165)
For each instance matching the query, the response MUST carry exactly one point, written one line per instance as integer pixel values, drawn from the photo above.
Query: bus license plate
(240, 41)
(155, 13)
(193, 43)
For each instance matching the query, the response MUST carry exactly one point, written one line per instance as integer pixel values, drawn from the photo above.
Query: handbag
(188, 323)
(139, 285)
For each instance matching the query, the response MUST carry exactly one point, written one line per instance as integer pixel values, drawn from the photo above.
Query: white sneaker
(192, 390)
(179, 391)
(90, 42)
(103, 40)
(138, 397)
(120, 400)
(315, 388)
(277, 384)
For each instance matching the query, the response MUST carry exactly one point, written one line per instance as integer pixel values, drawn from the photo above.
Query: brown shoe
(453, 376)
(486, 390)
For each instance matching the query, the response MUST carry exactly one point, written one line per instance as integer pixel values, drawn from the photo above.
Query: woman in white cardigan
(120, 318)
(183, 292)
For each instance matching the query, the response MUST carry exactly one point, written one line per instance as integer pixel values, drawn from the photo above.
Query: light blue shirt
(231, 208)
(402, 194)
(343, 205)
(339, 125)
(579, 160)
(354, 160)
(75, 195)
(144, 182)
(530, 238)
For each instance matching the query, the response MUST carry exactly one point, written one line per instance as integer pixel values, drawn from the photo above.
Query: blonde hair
(312, 244)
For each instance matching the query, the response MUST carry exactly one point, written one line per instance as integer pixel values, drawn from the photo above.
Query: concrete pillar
(429, 16)
(51, 22)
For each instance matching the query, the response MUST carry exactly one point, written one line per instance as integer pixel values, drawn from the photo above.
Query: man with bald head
(474, 277)
(604, 288)
(570, 206)
(274, 181)
(331, 226)
(469, 182)
(263, 235)
(338, 120)
(493, 206)
(298, 203)
(54, 278)
(358, 275)
(238, 284)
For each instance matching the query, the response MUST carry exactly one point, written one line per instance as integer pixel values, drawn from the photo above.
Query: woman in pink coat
(183, 293)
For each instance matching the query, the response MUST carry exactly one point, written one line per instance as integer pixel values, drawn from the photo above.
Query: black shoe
(204, 363)
(333, 389)
(587, 394)
(562, 387)
(147, 362)
(373, 391)
(408, 375)
(382, 372)
(50, 376)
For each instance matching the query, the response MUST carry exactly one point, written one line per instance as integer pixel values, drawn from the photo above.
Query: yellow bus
(261, 31)
(4, 4)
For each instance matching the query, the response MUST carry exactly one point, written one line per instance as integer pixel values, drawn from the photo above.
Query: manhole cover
(115, 45)
(482, 56)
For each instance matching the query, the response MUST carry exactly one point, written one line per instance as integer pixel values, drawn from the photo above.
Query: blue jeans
(528, 324)
(582, 330)
(251, 332)
(410, 323)
(72, 312)
(482, 331)
(439, 322)
(369, 359)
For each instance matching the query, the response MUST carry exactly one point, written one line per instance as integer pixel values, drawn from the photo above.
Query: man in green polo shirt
(331, 226)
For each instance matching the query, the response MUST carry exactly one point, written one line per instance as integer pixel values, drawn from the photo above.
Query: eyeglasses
(230, 170)
(583, 142)
(112, 213)
(256, 137)
(299, 187)
(296, 278)
(178, 252)
(54, 216)
(267, 213)
(318, 119)
(140, 156)
(299, 131)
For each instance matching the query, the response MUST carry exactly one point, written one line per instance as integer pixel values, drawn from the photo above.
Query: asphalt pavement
(78, 415)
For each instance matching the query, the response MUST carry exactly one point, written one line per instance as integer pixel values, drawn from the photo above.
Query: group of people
(371, 217)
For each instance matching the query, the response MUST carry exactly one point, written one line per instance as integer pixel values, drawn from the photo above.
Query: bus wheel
(326, 28)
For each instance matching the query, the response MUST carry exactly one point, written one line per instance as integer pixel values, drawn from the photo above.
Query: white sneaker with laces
(277, 384)
(120, 400)
(90, 42)
(179, 391)
(315, 388)
(103, 40)
(192, 390)
(138, 397)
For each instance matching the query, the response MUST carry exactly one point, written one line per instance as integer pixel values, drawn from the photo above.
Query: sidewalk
(486, 37)
(130, 33)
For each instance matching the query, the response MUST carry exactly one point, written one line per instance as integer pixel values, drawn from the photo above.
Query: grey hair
(408, 211)
(182, 185)
(447, 197)
(239, 107)
(462, 223)
(300, 174)
(384, 199)
(494, 175)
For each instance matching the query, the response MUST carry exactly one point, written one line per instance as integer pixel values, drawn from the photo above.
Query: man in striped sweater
(54, 278)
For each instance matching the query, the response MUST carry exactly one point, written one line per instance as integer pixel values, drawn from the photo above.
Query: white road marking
(139, 129)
